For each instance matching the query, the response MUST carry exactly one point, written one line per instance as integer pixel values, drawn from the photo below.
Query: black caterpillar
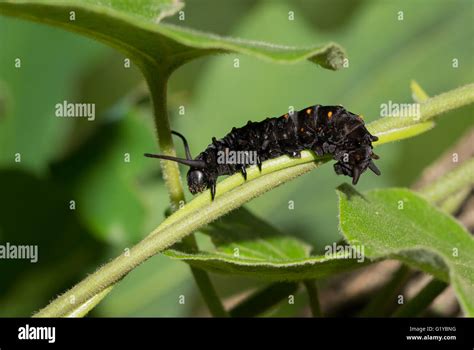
(326, 130)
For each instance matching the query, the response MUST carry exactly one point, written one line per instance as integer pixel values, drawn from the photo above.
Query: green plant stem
(447, 101)
(452, 203)
(313, 295)
(209, 293)
(450, 183)
(262, 300)
(429, 109)
(201, 211)
(157, 83)
(156, 79)
(385, 300)
(422, 300)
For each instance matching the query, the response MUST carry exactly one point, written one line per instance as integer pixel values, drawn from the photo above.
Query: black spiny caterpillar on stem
(326, 130)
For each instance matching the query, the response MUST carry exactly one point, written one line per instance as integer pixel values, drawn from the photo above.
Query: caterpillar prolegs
(326, 130)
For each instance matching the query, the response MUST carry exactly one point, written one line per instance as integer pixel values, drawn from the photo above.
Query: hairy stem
(448, 184)
(156, 79)
(157, 83)
(429, 109)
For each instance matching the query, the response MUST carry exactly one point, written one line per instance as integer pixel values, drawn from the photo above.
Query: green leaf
(152, 10)
(247, 245)
(31, 129)
(120, 24)
(419, 235)
(419, 95)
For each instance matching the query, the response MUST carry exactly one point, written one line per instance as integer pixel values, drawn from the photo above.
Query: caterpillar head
(197, 180)
(354, 162)
(353, 147)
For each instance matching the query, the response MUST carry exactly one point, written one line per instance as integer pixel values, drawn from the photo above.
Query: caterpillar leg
(212, 187)
(259, 163)
(244, 172)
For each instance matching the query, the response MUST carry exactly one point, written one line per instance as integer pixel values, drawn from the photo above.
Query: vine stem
(383, 303)
(459, 178)
(422, 300)
(231, 195)
(157, 83)
(263, 300)
(313, 295)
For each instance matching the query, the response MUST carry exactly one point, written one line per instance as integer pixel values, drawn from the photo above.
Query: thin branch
(313, 295)
(450, 183)
(385, 300)
(422, 300)
(264, 299)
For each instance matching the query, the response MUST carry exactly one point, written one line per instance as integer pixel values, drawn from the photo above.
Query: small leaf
(395, 133)
(419, 95)
(397, 223)
(247, 245)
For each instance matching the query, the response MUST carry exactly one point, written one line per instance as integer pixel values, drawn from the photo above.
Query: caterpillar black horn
(189, 159)
(185, 143)
(189, 162)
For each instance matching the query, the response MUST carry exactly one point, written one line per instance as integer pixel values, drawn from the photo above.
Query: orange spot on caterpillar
(329, 114)
(286, 116)
(308, 111)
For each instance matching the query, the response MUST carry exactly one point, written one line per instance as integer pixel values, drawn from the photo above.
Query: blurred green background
(118, 203)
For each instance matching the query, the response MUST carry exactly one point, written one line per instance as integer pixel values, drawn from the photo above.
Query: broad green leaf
(120, 24)
(247, 245)
(397, 223)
